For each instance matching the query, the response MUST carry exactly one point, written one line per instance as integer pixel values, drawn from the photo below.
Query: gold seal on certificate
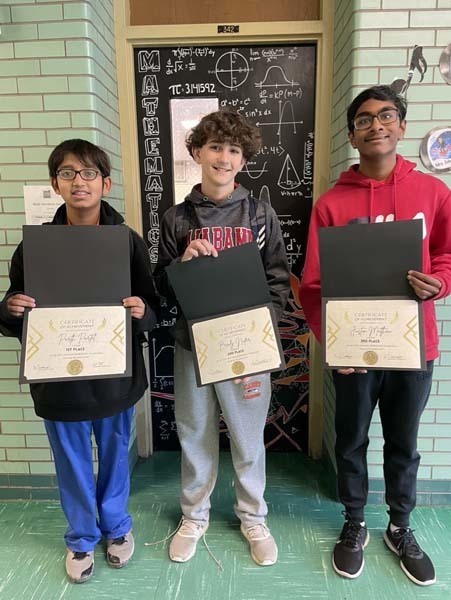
(373, 333)
(238, 367)
(235, 345)
(75, 367)
(370, 357)
(77, 342)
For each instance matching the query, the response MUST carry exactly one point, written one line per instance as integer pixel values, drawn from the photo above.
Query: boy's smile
(220, 162)
(82, 197)
(379, 139)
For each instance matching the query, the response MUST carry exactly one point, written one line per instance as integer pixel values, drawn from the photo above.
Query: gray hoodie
(228, 223)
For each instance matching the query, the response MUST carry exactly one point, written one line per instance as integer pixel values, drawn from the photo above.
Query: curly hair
(225, 126)
(377, 92)
(87, 153)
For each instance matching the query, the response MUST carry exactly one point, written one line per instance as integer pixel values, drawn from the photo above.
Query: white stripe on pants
(197, 412)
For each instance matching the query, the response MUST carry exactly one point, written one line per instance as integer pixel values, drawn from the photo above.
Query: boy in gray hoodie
(220, 214)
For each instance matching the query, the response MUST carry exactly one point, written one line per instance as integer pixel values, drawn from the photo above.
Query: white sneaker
(79, 565)
(183, 544)
(120, 550)
(262, 545)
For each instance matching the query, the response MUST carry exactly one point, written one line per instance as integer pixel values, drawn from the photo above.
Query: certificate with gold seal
(235, 345)
(373, 333)
(231, 321)
(68, 343)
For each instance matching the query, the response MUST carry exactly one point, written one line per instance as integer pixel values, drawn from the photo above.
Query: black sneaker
(415, 563)
(347, 558)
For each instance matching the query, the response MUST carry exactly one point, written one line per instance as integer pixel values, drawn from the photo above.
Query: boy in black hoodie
(219, 214)
(72, 410)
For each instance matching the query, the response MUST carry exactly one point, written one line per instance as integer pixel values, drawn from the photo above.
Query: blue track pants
(92, 508)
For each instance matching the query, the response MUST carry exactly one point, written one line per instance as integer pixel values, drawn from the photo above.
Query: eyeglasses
(70, 174)
(385, 117)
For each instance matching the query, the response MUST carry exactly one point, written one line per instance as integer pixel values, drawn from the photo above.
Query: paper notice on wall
(41, 203)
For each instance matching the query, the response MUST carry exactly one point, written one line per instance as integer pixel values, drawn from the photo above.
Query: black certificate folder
(211, 286)
(370, 259)
(79, 329)
(231, 321)
(371, 317)
(76, 265)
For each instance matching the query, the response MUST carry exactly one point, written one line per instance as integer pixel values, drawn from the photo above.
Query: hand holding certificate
(236, 345)
(371, 317)
(230, 316)
(376, 333)
(79, 330)
(82, 342)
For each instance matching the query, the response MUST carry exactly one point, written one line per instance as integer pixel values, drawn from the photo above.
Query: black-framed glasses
(385, 117)
(70, 174)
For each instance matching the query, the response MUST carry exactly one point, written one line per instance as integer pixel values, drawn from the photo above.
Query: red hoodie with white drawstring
(405, 194)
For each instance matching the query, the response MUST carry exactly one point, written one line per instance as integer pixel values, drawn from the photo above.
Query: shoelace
(352, 534)
(259, 531)
(182, 523)
(406, 543)
(119, 541)
(188, 527)
(165, 539)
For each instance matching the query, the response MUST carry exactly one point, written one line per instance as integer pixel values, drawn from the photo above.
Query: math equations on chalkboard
(273, 86)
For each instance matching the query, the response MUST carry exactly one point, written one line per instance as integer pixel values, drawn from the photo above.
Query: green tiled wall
(57, 80)
(376, 48)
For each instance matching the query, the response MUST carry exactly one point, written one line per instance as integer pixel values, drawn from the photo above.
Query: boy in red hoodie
(382, 187)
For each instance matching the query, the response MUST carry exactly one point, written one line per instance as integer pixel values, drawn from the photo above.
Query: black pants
(402, 398)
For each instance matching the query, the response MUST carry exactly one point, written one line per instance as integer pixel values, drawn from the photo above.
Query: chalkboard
(274, 87)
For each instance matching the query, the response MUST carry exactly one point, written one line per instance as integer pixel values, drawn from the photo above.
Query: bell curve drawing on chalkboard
(265, 195)
(284, 81)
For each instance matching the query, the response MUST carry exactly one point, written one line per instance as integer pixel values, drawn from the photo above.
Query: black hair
(377, 92)
(225, 126)
(87, 153)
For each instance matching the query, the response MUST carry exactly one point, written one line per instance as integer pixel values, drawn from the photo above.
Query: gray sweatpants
(244, 407)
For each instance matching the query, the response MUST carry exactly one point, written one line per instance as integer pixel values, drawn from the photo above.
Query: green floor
(303, 518)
